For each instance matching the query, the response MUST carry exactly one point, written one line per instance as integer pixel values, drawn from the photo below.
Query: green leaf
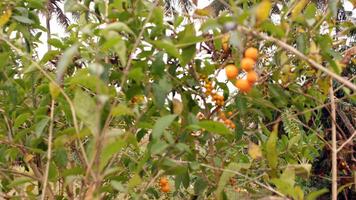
(241, 104)
(19, 181)
(272, 29)
(134, 181)
(121, 110)
(226, 175)
(65, 60)
(56, 43)
(340, 189)
(310, 13)
(315, 194)
(214, 127)
(22, 19)
(53, 172)
(161, 124)
(41, 125)
(167, 46)
(302, 42)
(53, 90)
(110, 150)
(158, 65)
(158, 147)
(22, 118)
(60, 157)
(279, 96)
(188, 37)
(161, 90)
(188, 54)
(271, 148)
(136, 74)
(333, 8)
(85, 108)
(119, 26)
(200, 185)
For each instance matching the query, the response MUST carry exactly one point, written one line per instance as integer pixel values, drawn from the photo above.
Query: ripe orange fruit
(165, 188)
(251, 53)
(222, 116)
(231, 71)
(229, 113)
(221, 98)
(247, 64)
(233, 125)
(252, 77)
(163, 181)
(243, 85)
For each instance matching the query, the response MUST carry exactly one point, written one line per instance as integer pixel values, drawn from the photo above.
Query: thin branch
(347, 141)
(152, 181)
(333, 144)
(49, 151)
(20, 173)
(291, 49)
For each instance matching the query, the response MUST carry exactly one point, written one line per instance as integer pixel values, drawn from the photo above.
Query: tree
(133, 103)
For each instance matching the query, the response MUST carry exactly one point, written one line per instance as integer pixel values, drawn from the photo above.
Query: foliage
(120, 101)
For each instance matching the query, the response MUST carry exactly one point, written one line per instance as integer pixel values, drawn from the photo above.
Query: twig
(159, 173)
(347, 141)
(333, 144)
(49, 151)
(300, 55)
(20, 173)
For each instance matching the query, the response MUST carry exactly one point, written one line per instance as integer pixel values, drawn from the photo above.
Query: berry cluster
(218, 99)
(163, 183)
(247, 64)
(227, 121)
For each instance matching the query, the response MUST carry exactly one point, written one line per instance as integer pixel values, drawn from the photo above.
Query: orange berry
(228, 121)
(229, 113)
(233, 126)
(165, 188)
(163, 181)
(221, 98)
(231, 71)
(251, 53)
(243, 85)
(252, 77)
(247, 64)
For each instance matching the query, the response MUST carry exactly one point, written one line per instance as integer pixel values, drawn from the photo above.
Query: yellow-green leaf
(54, 90)
(262, 11)
(5, 17)
(271, 148)
(254, 151)
(298, 8)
